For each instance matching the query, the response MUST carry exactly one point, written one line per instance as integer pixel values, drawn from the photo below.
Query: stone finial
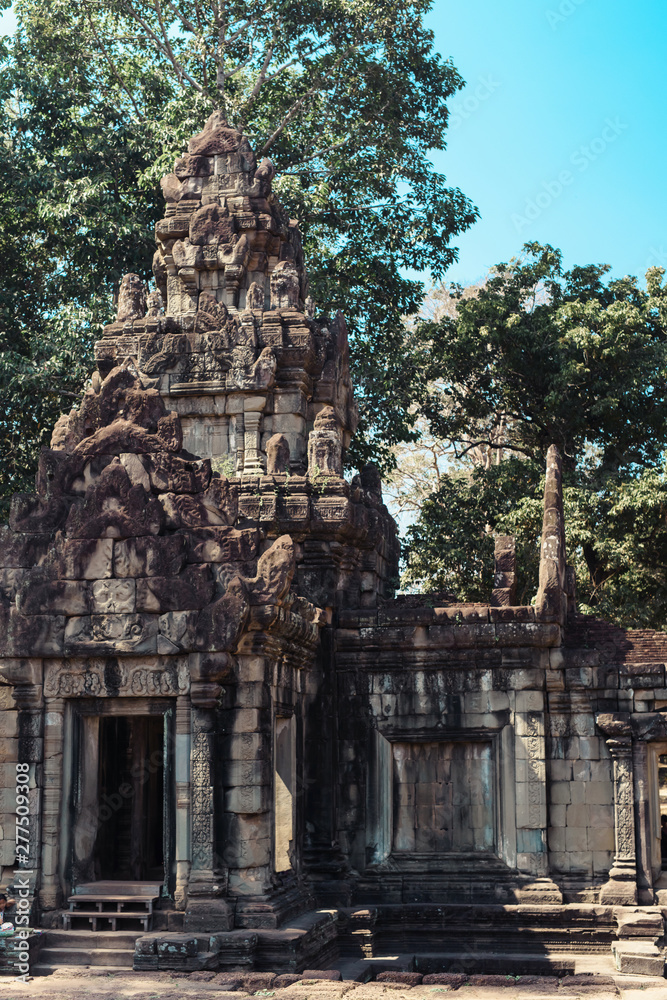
(504, 572)
(217, 137)
(371, 480)
(255, 297)
(131, 299)
(155, 304)
(325, 448)
(277, 455)
(310, 307)
(264, 175)
(326, 420)
(285, 286)
(551, 597)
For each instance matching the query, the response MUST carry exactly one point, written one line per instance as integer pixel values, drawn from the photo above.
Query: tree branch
(186, 22)
(320, 152)
(268, 55)
(300, 102)
(112, 66)
(178, 67)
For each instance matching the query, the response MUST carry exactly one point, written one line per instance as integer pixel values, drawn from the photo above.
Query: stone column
(206, 910)
(252, 423)
(183, 798)
(29, 703)
(50, 891)
(621, 889)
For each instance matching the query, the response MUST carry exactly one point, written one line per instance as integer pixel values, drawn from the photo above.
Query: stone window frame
(380, 794)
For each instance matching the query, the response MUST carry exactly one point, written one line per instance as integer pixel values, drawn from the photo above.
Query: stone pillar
(252, 421)
(29, 703)
(50, 894)
(183, 799)
(205, 910)
(249, 783)
(621, 889)
(643, 823)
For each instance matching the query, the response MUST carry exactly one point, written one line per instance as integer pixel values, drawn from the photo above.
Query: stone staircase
(105, 950)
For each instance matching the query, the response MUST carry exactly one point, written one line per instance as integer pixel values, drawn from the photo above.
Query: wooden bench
(111, 904)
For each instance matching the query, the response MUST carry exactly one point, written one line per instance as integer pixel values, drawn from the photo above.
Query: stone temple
(244, 752)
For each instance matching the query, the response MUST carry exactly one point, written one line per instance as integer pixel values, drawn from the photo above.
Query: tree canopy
(348, 99)
(538, 356)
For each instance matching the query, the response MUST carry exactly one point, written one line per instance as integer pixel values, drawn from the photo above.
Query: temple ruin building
(243, 750)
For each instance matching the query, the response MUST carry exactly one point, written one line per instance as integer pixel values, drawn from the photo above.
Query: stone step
(124, 940)
(43, 969)
(111, 957)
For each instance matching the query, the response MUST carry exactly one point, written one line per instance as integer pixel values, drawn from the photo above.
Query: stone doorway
(119, 793)
(130, 837)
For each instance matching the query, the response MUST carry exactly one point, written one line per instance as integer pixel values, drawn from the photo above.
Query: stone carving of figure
(131, 299)
(264, 175)
(255, 297)
(160, 272)
(285, 286)
(277, 455)
(212, 315)
(155, 304)
(325, 448)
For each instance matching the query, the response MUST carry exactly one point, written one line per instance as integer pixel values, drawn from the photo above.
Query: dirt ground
(88, 985)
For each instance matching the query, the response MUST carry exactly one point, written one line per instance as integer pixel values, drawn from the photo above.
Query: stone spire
(225, 240)
(231, 338)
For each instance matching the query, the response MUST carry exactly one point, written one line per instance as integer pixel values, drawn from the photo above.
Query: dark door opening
(130, 837)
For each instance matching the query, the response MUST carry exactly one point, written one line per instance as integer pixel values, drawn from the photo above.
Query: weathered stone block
(7, 853)
(192, 589)
(113, 597)
(601, 817)
(148, 556)
(247, 854)
(34, 635)
(86, 559)
(9, 749)
(177, 631)
(98, 634)
(6, 697)
(248, 799)
(21, 550)
(9, 723)
(53, 597)
(222, 545)
(601, 839)
(247, 746)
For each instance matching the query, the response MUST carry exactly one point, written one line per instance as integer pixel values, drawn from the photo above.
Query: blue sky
(560, 134)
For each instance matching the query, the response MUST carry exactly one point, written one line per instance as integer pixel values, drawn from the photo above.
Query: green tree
(540, 356)
(347, 98)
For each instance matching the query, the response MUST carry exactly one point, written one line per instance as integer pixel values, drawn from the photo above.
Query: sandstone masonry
(220, 699)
